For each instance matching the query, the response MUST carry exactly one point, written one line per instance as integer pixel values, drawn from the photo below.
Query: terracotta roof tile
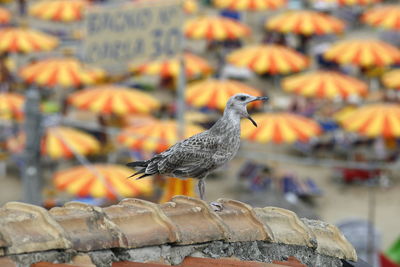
(7, 262)
(242, 222)
(224, 262)
(28, 228)
(88, 227)
(142, 222)
(330, 240)
(286, 227)
(194, 220)
(144, 230)
(292, 261)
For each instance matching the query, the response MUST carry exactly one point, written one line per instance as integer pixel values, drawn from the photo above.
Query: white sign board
(117, 36)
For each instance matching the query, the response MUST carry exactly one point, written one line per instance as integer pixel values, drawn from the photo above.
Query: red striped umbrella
(21, 40)
(59, 10)
(325, 84)
(102, 180)
(110, 99)
(59, 142)
(155, 136)
(252, 5)
(214, 93)
(11, 106)
(272, 59)
(5, 16)
(215, 28)
(280, 127)
(194, 66)
(366, 53)
(374, 120)
(65, 72)
(305, 22)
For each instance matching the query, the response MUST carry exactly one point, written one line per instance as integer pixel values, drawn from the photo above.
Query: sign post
(132, 33)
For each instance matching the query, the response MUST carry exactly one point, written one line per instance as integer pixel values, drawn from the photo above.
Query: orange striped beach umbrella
(190, 6)
(374, 120)
(215, 28)
(21, 40)
(175, 186)
(155, 137)
(251, 5)
(214, 93)
(387, 17)
(352, 2)
(280, 127)
(59, 142)
(325, 84)
(391, 79)
(272, 59)
(59, 10)
(305, 22)
(11, 106)
(365, 53)
(194, 66)
(64, 72)
(111, 99)
(101, 180)
(5, 16)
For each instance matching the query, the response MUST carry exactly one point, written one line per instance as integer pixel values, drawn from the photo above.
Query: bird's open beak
(262, 98)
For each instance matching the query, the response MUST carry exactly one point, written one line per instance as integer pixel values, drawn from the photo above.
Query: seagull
(197, 156)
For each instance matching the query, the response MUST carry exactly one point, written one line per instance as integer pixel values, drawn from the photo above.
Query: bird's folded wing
(190, 157)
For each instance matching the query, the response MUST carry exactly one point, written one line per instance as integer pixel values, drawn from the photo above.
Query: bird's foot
(216, 206)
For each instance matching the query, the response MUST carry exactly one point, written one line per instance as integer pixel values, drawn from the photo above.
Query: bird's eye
(242, 98)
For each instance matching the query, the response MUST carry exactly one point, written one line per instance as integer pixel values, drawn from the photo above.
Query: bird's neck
(228, 123)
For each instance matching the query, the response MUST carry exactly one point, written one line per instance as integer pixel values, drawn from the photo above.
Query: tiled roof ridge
(135, 223)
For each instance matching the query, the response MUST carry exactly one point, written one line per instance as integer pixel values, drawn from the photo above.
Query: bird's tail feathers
(137, 164)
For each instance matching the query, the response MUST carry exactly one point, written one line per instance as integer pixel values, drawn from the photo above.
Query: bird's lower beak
(262, 98)
(252, 121)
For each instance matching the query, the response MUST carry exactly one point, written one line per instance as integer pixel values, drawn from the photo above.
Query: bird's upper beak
(262, 98)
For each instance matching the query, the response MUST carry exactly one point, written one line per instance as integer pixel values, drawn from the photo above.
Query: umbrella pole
(180, 111)
(31, 173)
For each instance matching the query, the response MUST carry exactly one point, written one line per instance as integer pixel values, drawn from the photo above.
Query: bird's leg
(215, 206)
(201, 186)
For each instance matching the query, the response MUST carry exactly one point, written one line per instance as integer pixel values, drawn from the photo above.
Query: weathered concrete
(174, 254)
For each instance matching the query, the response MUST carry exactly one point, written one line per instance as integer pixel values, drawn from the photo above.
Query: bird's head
(238, 104)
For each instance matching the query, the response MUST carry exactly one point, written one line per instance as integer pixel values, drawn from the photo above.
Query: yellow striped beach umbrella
(251, 5)
(22, 40)
(214, 93)
(215, 28)
(195, 66)
(102, 180)
(373, 120)
(155, 136)
(387, 17)
(59, 142)
(325, 84)
(305, 22)
(5, 16)
(64, 72)
(365, 53)
(272, 59)
(391, 79)
(190, 6)
(178, 187)
(351, 2)
(111, 99)
(59, 10)
(11, 106)
(279, 128)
